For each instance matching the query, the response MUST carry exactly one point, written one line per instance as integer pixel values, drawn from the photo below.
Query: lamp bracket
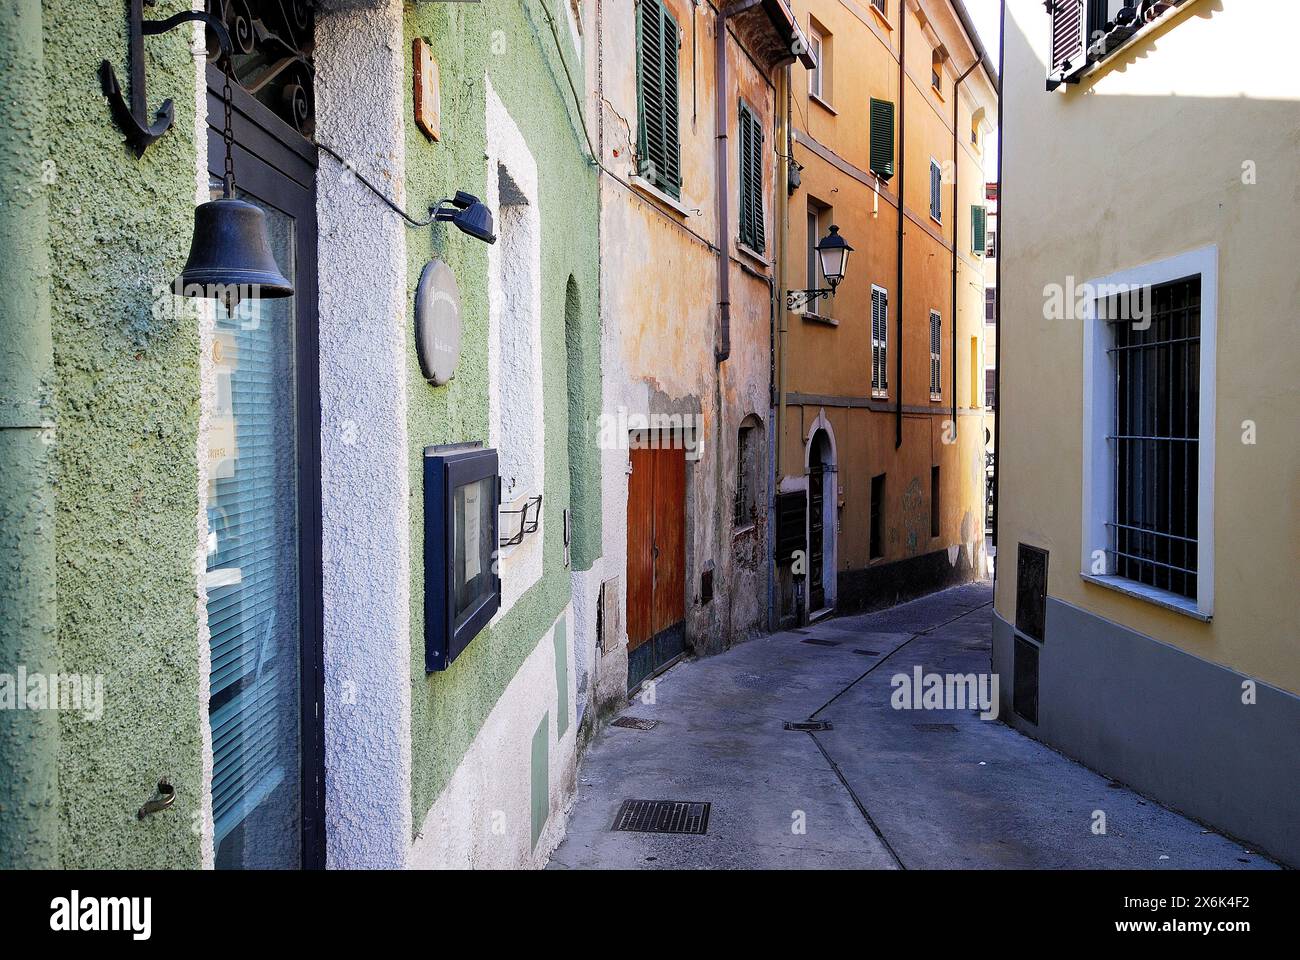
(799, 300)
(133, 116)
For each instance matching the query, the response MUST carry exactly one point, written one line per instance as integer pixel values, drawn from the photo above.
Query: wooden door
(656, 560)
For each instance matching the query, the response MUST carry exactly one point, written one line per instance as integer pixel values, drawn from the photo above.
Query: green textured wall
(128, 398)
(511, 42)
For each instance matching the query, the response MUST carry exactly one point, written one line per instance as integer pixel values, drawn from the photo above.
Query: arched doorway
(821, 521)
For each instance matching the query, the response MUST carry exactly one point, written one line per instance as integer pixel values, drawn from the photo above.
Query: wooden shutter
(751, 178)
(879, 338)
(978, 238)
(658, 142)
(936, 191)
(1069, 40)
(936, 354)
(882, 138)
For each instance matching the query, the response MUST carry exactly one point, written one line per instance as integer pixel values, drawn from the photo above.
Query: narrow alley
(882, 788)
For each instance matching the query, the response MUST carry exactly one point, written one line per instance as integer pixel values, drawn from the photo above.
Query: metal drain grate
(636, 723)
(818, 641)
(868, 653)
(808, 726)
(936, 727)
(663, 816)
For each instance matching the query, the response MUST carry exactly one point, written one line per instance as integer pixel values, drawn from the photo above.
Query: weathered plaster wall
(658, 351)
(510, 45)
(128, 386)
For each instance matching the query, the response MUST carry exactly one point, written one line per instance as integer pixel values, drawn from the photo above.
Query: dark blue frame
(445, 469)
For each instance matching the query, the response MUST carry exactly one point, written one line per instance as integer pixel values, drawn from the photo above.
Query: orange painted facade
(824, 361)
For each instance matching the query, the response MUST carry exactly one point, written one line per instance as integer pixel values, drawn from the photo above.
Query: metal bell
(230, 255)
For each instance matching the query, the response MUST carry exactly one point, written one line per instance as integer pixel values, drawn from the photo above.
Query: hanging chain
(227, 95)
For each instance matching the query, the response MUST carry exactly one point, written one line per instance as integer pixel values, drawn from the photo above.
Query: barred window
(1153, 531)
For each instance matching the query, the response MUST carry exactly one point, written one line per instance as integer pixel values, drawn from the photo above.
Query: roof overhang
(770, 31)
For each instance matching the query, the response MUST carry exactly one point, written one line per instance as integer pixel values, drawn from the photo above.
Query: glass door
(263, 550)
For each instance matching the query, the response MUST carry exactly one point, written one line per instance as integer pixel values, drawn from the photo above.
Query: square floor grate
(636, 723)
(663, 816)
(818, 641)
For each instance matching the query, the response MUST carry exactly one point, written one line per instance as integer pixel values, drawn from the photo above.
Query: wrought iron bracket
(797, 300)
(532, 506)
(133, 116)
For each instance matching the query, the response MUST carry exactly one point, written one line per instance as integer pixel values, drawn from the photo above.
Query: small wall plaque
(437, 322)
(428, 101)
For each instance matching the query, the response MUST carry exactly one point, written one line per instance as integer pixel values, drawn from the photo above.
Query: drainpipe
(902, 171)
(784, 157)
(29, 807)
(956, 232)
(723, 350)
(997, 303)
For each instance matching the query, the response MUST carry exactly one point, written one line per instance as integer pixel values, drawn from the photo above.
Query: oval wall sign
(437, 322)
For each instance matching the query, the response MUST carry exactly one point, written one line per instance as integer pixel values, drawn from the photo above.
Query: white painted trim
(1098, 384)
(650, 190)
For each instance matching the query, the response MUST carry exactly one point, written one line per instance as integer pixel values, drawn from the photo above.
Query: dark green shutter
(977, 224)
(658, 142)
(882, 138)
(750, 134)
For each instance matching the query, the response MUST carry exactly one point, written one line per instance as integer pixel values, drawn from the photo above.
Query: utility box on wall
(461, 587)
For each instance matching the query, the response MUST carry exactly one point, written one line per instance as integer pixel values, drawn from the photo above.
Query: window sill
(884, 20)
(825, 105)
(936, 398)
(753, 254)
(1140, 591)
(879, 394)
(649, 189)
(818, 318)
(747, 529)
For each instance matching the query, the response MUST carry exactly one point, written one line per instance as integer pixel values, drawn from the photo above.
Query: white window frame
(882, 344)
(1098, 414)
(816, 41)
(936, 359)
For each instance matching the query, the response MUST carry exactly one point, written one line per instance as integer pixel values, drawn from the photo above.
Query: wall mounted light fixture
(833, 253)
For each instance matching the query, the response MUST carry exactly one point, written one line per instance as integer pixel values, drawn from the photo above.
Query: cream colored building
(1148, 467)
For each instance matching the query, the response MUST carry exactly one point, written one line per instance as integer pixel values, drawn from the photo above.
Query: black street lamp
(833, 255)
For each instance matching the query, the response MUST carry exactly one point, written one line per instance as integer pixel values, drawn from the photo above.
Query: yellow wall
(1141, 161)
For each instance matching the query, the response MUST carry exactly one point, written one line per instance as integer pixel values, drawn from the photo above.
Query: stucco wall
(126, 449)
(510, 46)
(1201, 97)
(828, 359)
(660, 313)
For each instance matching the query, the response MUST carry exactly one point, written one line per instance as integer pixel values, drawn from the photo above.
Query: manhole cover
(636, 723)
(818, 641)
(663, 816)
(809, 726)
(936, 727)
(868, 653)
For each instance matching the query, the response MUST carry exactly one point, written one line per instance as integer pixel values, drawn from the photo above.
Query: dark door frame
(277, 165)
